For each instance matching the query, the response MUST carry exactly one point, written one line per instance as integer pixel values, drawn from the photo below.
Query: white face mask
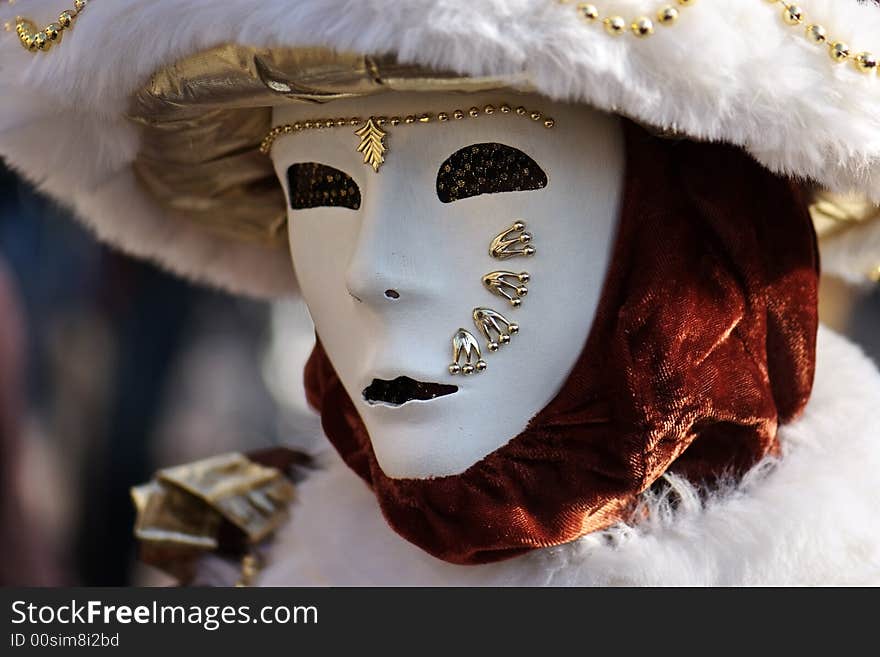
(389, 283)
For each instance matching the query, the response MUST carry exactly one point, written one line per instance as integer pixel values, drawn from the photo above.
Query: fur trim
(727, 71)
(808, 518)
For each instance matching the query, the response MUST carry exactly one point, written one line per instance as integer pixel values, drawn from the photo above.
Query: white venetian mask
(392, 263)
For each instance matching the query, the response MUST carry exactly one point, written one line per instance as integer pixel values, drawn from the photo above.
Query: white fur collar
(809, 518)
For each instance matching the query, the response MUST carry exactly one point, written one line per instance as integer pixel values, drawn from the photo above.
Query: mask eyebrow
(488, 168)
(313, 185)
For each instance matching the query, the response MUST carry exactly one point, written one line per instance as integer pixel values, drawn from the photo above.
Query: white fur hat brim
(728, 70)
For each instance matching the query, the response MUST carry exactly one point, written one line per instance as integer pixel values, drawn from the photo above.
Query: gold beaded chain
(34, 39)
(792, 14)
(372, 143)
(839, 51)
(642, 26)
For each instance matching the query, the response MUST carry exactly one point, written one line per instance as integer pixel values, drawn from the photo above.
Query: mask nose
(362, 293)
(382, 270)
(372, 279)
(397, 258)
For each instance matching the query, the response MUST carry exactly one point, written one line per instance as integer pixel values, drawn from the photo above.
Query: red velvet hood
(702, 344)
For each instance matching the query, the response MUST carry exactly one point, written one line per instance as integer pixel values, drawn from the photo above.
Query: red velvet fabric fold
(702, 344)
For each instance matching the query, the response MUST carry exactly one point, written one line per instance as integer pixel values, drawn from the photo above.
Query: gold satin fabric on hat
(203, 119)
(836, 213)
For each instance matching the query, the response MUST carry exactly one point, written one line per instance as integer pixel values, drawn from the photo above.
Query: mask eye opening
(312, 185)
(487, 168)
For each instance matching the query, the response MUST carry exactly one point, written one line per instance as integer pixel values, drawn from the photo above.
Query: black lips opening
(404, 389)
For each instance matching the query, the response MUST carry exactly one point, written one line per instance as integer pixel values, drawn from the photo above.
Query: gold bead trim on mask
(372, 136)
(641, 26)
(839, 51)
(34, 39)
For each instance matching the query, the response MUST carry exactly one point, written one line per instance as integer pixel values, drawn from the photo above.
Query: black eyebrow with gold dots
(488, 168)
(315, 185)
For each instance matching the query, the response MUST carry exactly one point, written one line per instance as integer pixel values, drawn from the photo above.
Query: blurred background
(111, 369)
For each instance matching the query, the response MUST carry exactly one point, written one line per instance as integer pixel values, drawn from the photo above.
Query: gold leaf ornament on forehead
(372, 144)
